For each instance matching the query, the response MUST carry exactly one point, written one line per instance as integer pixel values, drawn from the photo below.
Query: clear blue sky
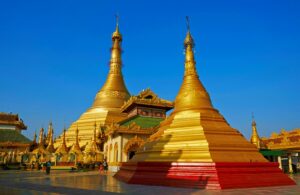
(54, 56)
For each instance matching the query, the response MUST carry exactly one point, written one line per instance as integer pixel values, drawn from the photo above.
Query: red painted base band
(204, 175)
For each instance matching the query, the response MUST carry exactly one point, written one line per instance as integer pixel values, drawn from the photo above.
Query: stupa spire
(114, 92)
(50, 146)
(50, 129)
(254, 137)
(192, 94)
(41, 136)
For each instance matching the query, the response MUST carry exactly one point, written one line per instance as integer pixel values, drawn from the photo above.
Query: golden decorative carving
(136, 142)
(283, 140)
(147, 97)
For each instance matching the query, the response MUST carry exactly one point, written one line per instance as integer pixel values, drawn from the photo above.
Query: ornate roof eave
(135, 140)
(19, 124)
(16, 144)
(140, 99)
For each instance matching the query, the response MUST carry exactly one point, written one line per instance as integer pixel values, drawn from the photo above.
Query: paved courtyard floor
(63, 182)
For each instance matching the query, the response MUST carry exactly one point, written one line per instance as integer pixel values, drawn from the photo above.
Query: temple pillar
(279, 162)
(290, 163)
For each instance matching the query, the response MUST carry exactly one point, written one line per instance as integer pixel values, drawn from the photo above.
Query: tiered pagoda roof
(9, 136)
(12, 120)
(138, 123)
(147, 98)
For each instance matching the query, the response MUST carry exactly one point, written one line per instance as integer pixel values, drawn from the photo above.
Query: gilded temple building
(286, 146)
(283, 147)
(144, 114)
(12, 143)
(108, 101)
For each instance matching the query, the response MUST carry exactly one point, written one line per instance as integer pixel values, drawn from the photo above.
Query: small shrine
(144, 114)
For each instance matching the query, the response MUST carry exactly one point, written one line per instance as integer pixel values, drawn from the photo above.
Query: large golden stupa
(196, 147)
(107, 103)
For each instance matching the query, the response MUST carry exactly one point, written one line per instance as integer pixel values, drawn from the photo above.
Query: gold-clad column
(290, 164)
(279, 162)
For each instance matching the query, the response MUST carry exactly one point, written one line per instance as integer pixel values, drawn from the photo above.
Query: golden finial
(187, 23)
(117, 35)
(188, 41)
(253, 120)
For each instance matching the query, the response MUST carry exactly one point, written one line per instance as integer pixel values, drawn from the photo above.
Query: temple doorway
(131, 154)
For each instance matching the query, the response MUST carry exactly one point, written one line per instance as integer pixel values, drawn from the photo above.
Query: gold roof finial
(188, 41)
(117, 35)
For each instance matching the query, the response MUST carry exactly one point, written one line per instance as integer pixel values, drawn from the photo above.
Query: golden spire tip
(117, 20)
(187, 23)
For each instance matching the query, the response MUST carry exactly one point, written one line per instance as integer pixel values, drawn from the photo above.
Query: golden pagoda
(50, 144)
(75, 150)
(40, 153)
(62, 150)
(50, 130)
(255, 139)
(92, 152)
(197, 148)
(108, 101)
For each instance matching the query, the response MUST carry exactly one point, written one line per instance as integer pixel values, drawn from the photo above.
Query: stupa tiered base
(202, 175)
